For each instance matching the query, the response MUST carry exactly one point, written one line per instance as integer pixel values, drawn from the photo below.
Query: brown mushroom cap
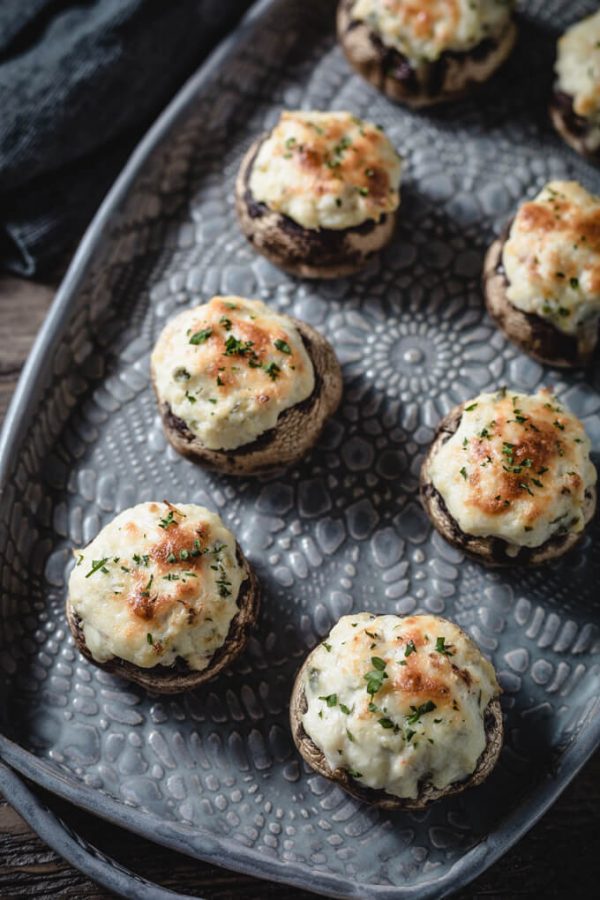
(297, 429)
(307, 252)
(380, 798)
(534, 335)
(455, 74)
(178, 678)
(489, 550)
(560, 118)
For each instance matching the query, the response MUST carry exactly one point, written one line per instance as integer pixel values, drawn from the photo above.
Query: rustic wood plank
(560, 857)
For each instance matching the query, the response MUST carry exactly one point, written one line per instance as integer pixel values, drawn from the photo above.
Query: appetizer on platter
(162, 596)
(421, 52)
(508, 478)
(241, 388)
(575, 106)
(399, 711)
(542, 278)
(318, 194)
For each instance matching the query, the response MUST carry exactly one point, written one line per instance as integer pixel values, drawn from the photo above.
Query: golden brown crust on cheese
(380, 798)
(308, 253)
(490, 550)
(178, 678)
(449, 78)
(535, 335)
(298, 427)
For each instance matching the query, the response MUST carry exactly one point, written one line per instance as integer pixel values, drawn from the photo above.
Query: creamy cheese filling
(327, 170)
(228, 369)
(552, 257)
(424, 29)
(398, 702)
(517, 468)
(159, 582)
(578, 72)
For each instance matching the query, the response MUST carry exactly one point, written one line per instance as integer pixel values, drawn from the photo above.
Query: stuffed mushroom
(162, 596)
(399, 711)
(508, 478)
(421, 52)
(243, 389)
(318, 195)
(575, 105)
(542, 278)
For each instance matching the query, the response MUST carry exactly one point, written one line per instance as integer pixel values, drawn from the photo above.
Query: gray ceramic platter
(214, 773)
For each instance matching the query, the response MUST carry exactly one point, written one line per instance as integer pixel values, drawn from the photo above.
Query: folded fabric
(80, 82)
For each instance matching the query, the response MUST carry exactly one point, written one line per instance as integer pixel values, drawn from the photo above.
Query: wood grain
(559, 858)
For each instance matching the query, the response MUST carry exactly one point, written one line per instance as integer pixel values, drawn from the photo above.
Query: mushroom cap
(309, 253)
(533, 334)
(462, 73)
(380, 798)
(575, 140)
(179, 678)
(297, 430)
(488, 550)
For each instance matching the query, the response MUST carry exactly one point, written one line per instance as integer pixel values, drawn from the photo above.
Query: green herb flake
(418, 711)
(272, 370)
(98, 565)
(471, 407)
(283, 346)
(149, 638)
(464, 474)
(199, 337)
(327, 646)
(410, 648)
(330, 699)
(167, 521)
(225, 322)
(442, 647)
(345, 709)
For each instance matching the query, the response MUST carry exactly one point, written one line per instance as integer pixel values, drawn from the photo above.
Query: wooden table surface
(559, 858)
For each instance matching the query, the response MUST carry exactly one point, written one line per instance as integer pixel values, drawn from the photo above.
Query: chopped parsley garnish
(272, 370)
(376, 676)
(189, 397)
(418, 711)
(363, 191)
(354, 773)
(171, 558)
(98, 565)
(146, 591)
(225, 322)
(167, 521)
(410, 648)
(463, 472)
(283, 346)
(442, 647)
(471, 407)
(327, 646)
(350, 735)
(537, 482)
(140, 560)
(181, 374)
(574, 282)
(387, 723)
(330, 699)
(235, 347)
(199, 337)
(558, 425)
(219, 381)
(345, 709)
(149, 638)
(525, 487)
(409, 735)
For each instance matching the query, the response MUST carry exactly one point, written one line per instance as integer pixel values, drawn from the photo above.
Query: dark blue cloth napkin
(80, 82)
